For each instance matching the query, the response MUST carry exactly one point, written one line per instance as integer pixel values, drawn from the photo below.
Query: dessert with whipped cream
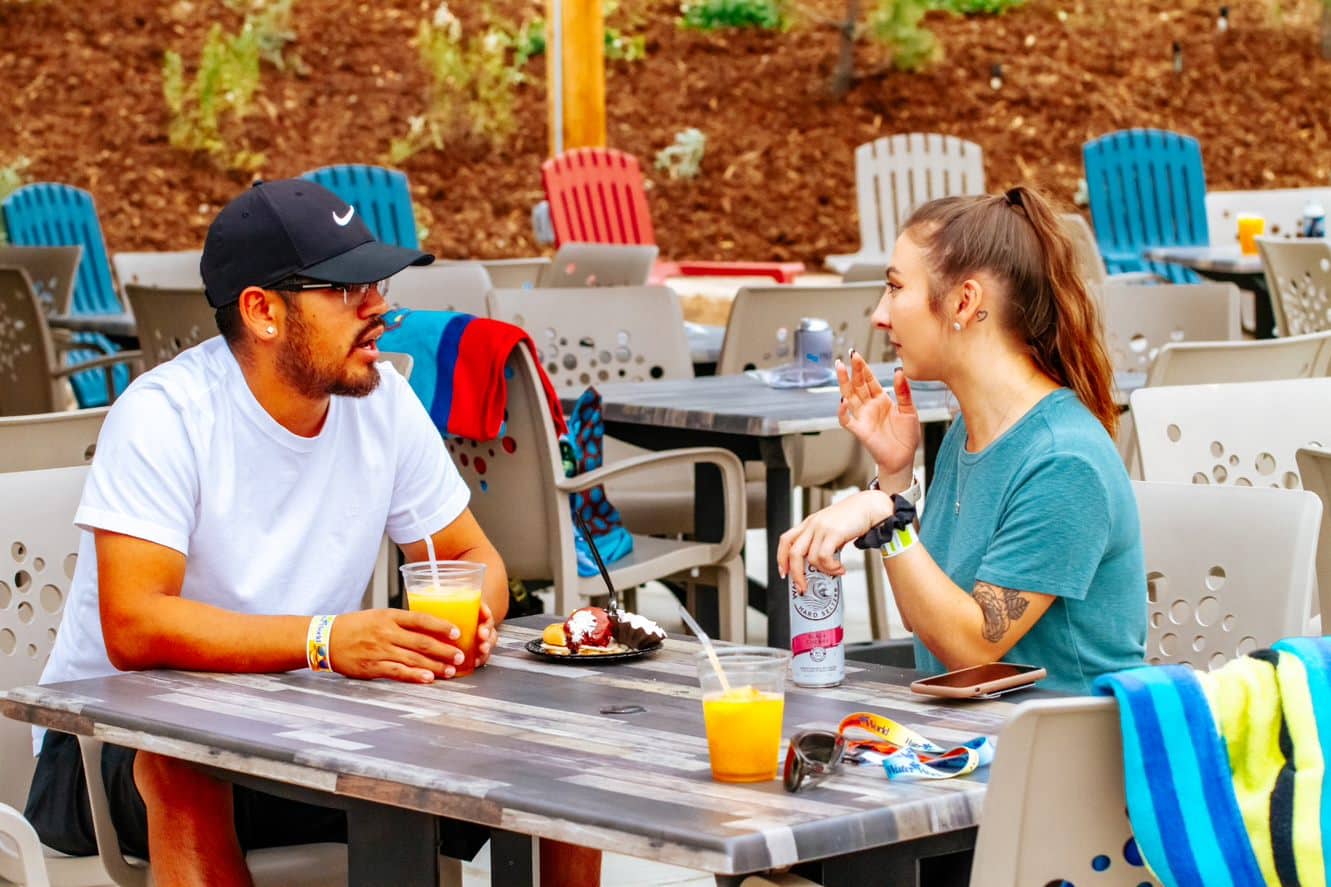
(593, 631)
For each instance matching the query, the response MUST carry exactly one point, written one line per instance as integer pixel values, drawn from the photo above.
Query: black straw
(600, 564)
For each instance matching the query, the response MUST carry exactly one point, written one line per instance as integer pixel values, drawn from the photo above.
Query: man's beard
(296, 364)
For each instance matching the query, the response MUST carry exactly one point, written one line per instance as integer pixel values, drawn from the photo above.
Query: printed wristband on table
(316, 643)
(905, 754)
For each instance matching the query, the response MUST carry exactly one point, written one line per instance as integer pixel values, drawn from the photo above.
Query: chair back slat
(895, 174)
(1140, 320)
(51, 214)
(26, 355)
(52, 271)
(381, 196)
(1147, 188)
(1202, 363)
(761, 331)
(65, 439)
(451, 286)
(173, 270)
(596, 195)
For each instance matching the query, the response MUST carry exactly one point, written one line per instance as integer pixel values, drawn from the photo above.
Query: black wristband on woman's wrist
(881, 534)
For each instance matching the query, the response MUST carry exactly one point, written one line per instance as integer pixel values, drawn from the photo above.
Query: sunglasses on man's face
(811, 756)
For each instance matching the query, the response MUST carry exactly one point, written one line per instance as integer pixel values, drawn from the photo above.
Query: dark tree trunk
(844, 75)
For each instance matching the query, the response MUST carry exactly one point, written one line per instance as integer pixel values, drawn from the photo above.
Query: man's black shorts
(58, 809)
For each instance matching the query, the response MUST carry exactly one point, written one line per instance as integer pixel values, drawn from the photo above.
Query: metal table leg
(391, 847)
(778, 521)
(511, 859)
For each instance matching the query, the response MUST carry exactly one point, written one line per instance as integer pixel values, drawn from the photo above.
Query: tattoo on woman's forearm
(1000, 606)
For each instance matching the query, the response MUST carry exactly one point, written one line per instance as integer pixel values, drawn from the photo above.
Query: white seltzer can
(817, 634)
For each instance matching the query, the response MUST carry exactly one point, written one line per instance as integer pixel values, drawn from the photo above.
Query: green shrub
(898, 24)
(711, 15)
(472, 86)
(222, 92)
(13, 175)
(530, 41)
(270, 23)
(975, 7)
(683, 158)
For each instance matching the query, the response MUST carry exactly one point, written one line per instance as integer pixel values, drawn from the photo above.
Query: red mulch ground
(83, 101)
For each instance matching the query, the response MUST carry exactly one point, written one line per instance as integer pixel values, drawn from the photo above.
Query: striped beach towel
(1225, 772)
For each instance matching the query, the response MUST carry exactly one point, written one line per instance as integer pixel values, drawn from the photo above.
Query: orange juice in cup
(451, 591)
(742, 713)
(1250, 227)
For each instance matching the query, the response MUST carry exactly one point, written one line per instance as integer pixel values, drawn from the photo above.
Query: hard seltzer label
(817, 636)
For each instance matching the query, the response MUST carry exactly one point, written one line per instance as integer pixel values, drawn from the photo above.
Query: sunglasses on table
(812, 756)
(352, 293)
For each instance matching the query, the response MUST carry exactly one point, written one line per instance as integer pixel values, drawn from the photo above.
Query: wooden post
(582, 29)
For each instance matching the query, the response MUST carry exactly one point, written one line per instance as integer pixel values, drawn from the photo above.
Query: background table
(1226, 264)
(530, 749)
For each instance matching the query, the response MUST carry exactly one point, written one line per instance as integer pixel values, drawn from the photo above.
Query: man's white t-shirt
(270, 522)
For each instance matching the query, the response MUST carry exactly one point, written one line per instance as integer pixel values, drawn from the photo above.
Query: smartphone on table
(979, 680)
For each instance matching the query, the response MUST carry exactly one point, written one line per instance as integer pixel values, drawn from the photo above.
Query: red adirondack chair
(596, 196)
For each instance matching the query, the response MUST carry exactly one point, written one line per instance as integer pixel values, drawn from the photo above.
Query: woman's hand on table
(819, 538)
(404, 645)
(889, 431)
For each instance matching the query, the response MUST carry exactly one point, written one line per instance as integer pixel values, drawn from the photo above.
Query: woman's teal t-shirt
(1045, 508)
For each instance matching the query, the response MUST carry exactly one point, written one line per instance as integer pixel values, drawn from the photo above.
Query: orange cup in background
(1250, 226)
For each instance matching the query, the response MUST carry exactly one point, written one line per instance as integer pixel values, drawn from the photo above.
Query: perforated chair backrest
(763, 319)
(1090, 264)
(600, 264)
(1315, 472)
(39, 544)
(512, 479)
(1140, 320)
(52, 271)
(174, 270)
(382, 197)
(895, 175)
(1243, 433)
(1282, 208)
(26, 354)
(596, 336)
(50, 440)
(169, 320)
(1058, 771)
(456, 286)
(512, 274)
(1201, 363)
(1298, 276)
(1147, 188)
(596, 196)
(1229, 569)
(50, 214)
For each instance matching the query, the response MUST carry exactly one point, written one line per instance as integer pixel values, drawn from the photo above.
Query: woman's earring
(272, 330)
(956, 325)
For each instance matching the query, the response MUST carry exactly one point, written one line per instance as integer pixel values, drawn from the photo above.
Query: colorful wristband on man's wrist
(316, 643)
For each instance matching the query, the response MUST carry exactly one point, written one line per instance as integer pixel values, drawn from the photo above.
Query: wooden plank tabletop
(1222, 259)
(526, 746)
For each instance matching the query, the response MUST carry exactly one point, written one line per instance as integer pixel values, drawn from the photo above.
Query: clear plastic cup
(452, 592)
(744, 719)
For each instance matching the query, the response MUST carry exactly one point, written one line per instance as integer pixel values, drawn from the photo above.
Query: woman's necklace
(961, 483)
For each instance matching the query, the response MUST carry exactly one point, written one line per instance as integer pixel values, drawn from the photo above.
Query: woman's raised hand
(889, 431)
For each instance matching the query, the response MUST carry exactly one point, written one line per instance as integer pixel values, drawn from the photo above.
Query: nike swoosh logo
(343, 221)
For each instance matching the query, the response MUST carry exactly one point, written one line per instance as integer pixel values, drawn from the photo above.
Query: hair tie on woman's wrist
(882, 534)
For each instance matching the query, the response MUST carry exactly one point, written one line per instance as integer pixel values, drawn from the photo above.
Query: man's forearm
(173, 632)
(494, 589)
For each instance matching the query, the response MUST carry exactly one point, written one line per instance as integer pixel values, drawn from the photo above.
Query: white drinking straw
(706, 645)
(429, 546)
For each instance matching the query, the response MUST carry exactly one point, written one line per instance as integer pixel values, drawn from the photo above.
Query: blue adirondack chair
(380, 195)
(51, 214)
(1146, 188)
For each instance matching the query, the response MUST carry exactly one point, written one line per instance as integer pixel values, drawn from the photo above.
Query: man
(240, 490)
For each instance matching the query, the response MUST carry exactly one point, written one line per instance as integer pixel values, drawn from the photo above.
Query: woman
(1030, 549)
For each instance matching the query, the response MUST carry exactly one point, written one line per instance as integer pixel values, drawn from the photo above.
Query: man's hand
(399, 644)
(487, 635)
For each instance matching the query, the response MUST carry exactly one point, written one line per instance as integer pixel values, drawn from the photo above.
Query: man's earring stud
(272, 330)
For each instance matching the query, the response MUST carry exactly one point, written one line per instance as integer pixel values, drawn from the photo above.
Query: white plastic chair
(171, 270)
(894, 175)
(52, 270)
(1298, 276)
(1055, 806)
(169, 320)
(1089, 261)
(451, 286)
(1229, 569)
(1200, 363)
(1244, 433)
(38, 541)
(600, 264)
(1140, 320)
(1315, 472)
(49, 440)
(1281, 207)
(515, 274)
